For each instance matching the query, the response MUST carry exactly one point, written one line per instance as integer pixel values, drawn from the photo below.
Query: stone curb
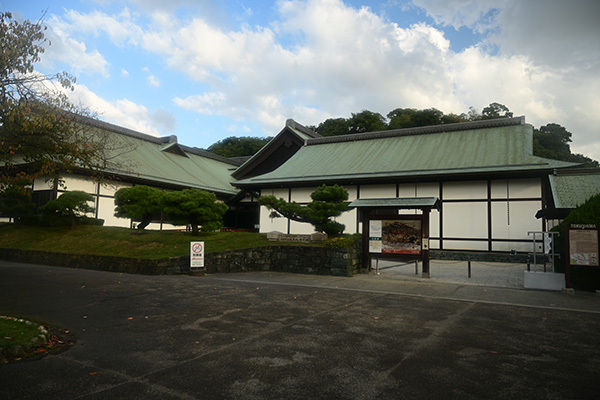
(18, 351)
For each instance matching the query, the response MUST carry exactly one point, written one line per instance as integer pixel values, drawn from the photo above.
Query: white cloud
(124, 112)
(322, 58)
(548, 61)
(153, 81)
(64, 49)
(124, 73)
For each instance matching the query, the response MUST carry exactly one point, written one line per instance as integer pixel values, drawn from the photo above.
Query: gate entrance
(387, 234)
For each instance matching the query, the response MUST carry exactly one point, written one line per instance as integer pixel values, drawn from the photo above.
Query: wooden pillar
(366, 257)
(425, 243)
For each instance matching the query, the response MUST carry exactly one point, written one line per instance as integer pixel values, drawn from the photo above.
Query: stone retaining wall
(300, 259)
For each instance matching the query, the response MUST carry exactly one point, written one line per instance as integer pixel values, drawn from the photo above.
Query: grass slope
(122, 242)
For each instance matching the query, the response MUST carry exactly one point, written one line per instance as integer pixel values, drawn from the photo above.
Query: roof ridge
(421, 130)
(295, 125)
(171, 139)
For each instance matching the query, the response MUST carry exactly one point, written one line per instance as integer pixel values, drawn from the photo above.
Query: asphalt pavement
(266, 335)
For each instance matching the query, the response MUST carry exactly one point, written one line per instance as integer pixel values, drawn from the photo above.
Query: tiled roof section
(492, 146)
(162, 161)
(572, 189)
(165, 140)
(399, 203)
(301, 130)
(422, 130)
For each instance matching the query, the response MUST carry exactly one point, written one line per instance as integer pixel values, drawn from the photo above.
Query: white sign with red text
(197, 255)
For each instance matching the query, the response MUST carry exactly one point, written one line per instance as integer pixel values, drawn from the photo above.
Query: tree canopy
(197, 208)
(39, 130)
(549, 141)
(238, 146)
(327, 202)
(138, 203)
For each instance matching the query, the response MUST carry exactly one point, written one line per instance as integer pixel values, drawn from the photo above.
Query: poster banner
(197, 255)
(397, 236)
(583, 245)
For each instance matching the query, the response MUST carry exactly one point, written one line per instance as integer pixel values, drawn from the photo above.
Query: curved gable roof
(161, 161)
(490, 146)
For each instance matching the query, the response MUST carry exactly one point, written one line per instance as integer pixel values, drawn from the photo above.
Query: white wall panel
(41, 184)
(300, 195)
(351, 192)
(508, 246)
(111, 187)
(434, 223)
(349, 219)
(428, 189)
(464, 190)
(465, 220)
(377, 191)
(465, 245)
(517, 188)
(106, 211)
(74, 182)
(279, 193)
(407, 190)
(268, 224)
(514, 221)
(301, 228)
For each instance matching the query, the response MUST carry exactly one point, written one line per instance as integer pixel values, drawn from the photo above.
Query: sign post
(196, 255)
(582, 247)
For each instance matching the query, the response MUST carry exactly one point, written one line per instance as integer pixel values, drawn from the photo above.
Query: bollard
(416, 267)
(469, 266)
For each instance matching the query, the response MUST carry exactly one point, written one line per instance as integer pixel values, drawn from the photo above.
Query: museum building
(489, 188)
(488, 182)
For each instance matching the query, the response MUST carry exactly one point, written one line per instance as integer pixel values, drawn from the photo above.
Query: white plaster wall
(434, 223)
(110, 188)
(514, 221)
(377, 191)
(465, 220)
(349, 219)
(465, 245)
(508, 246)
(41, 184)
(517, 188)
(300, 195)
(279, 193)
(106, 211)
(428, 189)
(74, 182)
(301, 228)
(268, 224)
(464, 190)
(407, 190)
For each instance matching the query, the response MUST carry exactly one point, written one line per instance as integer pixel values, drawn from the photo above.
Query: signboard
(197, 255)
(583, 245)
(395, 236)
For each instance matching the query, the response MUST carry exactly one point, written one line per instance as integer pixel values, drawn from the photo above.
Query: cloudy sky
(208, 69)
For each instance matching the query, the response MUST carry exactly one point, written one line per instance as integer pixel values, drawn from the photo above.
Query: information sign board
(197, 255)
(395, 236)
(583, 245)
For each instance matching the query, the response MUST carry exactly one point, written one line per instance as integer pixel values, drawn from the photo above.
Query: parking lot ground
(290, 336)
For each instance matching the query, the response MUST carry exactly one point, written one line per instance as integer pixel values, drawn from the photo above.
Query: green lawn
(98, 240)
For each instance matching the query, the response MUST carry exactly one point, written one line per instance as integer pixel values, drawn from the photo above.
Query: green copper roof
(164, 161)
(570, 191)
(485, 146)
(400, 203)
